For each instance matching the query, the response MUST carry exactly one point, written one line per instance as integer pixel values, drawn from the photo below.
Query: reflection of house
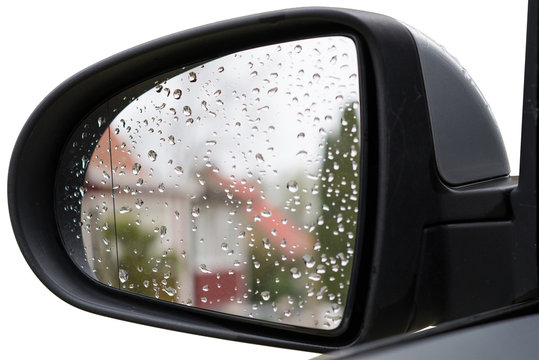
(208, 223)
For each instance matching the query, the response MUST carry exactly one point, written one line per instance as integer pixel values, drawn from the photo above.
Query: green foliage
(144, 265)
(339, 188)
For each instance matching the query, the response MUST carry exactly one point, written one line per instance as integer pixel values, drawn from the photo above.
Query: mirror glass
(232, 185)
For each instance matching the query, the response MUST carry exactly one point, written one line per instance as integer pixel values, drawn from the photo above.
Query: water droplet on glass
(211, 142)
(162, 231)
(266, 243)
(301, 135)
(192, 77)
(298, 48)
(265, 213)
(221, 69)
(125, 209)
(123, 275)
(139, 203)
(195, 212)
(177, 94)
(152, 155)
(259, 157)
(170, 291)
(204, 269)
(309, 261)
(272, 91)
(292, 186)
(84, 161)
(187, 110)
(265, 295)
(296, 274)
(178, 170)
(136, 168)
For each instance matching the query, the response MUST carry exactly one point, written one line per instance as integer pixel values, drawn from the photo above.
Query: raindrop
(170, 291)
(265, 295)
(195, 212)
(171, 140)
(123, 275)
(266, 243)
(309, 261)
(296, 274)
(272, 91)
(292, 186)
(161, 187)
(139, 203)
(320, 269)
(259, 157)
(265, 213)
(125, 209)
(152, 155)
(163, 231)
(254, 73)
(85, 161)
(211, 142)
(221, 69)
(136, 168)
(298, 48)
(187, 110)
(204, 269)
(177, 94)
(178, 170)
(301, 135)
(192, 76)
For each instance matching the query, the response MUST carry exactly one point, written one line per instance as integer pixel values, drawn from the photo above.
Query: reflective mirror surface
(231, 186)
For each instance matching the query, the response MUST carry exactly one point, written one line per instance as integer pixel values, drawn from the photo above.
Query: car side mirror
(308, 178)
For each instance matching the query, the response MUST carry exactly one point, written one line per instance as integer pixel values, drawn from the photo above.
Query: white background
(45, 42)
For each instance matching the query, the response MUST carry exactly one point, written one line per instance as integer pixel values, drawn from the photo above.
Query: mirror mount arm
(524, 197)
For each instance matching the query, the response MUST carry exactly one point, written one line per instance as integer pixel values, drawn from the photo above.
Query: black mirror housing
(435, 240)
